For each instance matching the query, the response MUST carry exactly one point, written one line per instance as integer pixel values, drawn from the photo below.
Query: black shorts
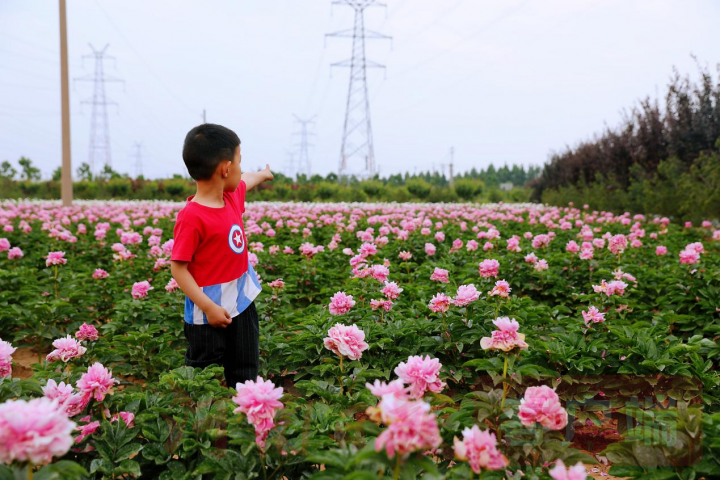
(235, 347)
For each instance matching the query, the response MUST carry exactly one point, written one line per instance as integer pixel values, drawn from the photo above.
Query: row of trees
(654, 161)
(475, 185)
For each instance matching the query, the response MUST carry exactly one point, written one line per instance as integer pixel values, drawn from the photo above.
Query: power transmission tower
(99, 126)
(303, 153)
(357, 140)
(138, 160)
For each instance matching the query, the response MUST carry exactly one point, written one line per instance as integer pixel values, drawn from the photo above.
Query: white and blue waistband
(234, 296)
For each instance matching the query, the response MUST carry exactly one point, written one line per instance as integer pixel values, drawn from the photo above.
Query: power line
(99, 126)
(357, 140)
(146, 64)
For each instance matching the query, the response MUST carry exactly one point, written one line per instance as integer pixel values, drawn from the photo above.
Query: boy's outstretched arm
(253, 179)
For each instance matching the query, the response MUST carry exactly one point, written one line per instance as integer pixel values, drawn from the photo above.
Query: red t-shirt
(212, 239)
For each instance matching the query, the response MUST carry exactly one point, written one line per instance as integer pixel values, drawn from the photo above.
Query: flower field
(397, 340)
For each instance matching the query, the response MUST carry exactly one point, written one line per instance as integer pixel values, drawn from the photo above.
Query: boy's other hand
(268, 174)
(218, 317)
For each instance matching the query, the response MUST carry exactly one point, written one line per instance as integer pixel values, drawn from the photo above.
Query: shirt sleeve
(240, 195)
(187, 238)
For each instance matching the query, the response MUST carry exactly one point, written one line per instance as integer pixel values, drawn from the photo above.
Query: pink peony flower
(384, 304)
(430, 249)
(259, 400)
(440, 275)
(572, 247)
(346, 341)
(99, 274)
(65, 349)
(440, 303)
(411, 427)
(341, 303)
(489, 268)
(4, 244)
(612, 288)
(87, 332)
(33, 431)
(541, 404)
(14, 253)
(172, 285)
(391, 290)
(141, 289)
(379, 272)
(593, 315)
(506, 337)
(661, 250)
(396, 387)
(405, 256)
(422, 374)
(541, 265)
(70, 402)
(501, 288)
(466, 294)
(577, 472)
(128, 418)
(96, 382)
(689, 256)
(55, 258)
(6, 351)
(531, 258)
(87, 430)
(278, 283)
(479, 447)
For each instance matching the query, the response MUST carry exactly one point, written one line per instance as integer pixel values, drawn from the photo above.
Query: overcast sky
(502, 81)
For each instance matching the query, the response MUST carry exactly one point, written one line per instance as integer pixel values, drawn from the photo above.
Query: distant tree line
(660, 159)
(474, 185)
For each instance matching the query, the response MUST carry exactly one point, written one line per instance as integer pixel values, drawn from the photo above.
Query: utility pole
(67, 187)
(138, 160)
(357, 140)
(290, 163)
(99, 127)
(303, 154)
(452, 158)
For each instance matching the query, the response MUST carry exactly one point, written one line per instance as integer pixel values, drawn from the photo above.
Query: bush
(118, 187)
(418, 188)
(373, 188)
(175, 188)
(29, 189)
(326, 190)
(467, 189)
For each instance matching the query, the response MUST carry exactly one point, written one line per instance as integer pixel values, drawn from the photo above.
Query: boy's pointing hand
(267, 172)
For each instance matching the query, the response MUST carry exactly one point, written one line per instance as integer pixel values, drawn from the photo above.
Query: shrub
(418, 188)
(118, 187)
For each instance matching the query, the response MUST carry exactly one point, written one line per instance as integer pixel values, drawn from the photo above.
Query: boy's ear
(223, 168)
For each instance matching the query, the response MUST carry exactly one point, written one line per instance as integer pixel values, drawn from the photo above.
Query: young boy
(209, 259)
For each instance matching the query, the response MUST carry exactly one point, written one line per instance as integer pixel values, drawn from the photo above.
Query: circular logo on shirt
(236, 240)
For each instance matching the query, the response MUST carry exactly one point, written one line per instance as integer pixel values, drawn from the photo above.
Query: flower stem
(502, 404)
(67, 370)
(396, 470)
(30, 470)
(56, 282)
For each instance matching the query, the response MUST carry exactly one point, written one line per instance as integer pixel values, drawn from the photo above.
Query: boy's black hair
(205, 147)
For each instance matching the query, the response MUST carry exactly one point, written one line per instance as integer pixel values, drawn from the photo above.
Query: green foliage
(418, 188)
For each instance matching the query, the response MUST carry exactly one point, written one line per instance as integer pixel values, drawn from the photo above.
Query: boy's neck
(209, 193)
